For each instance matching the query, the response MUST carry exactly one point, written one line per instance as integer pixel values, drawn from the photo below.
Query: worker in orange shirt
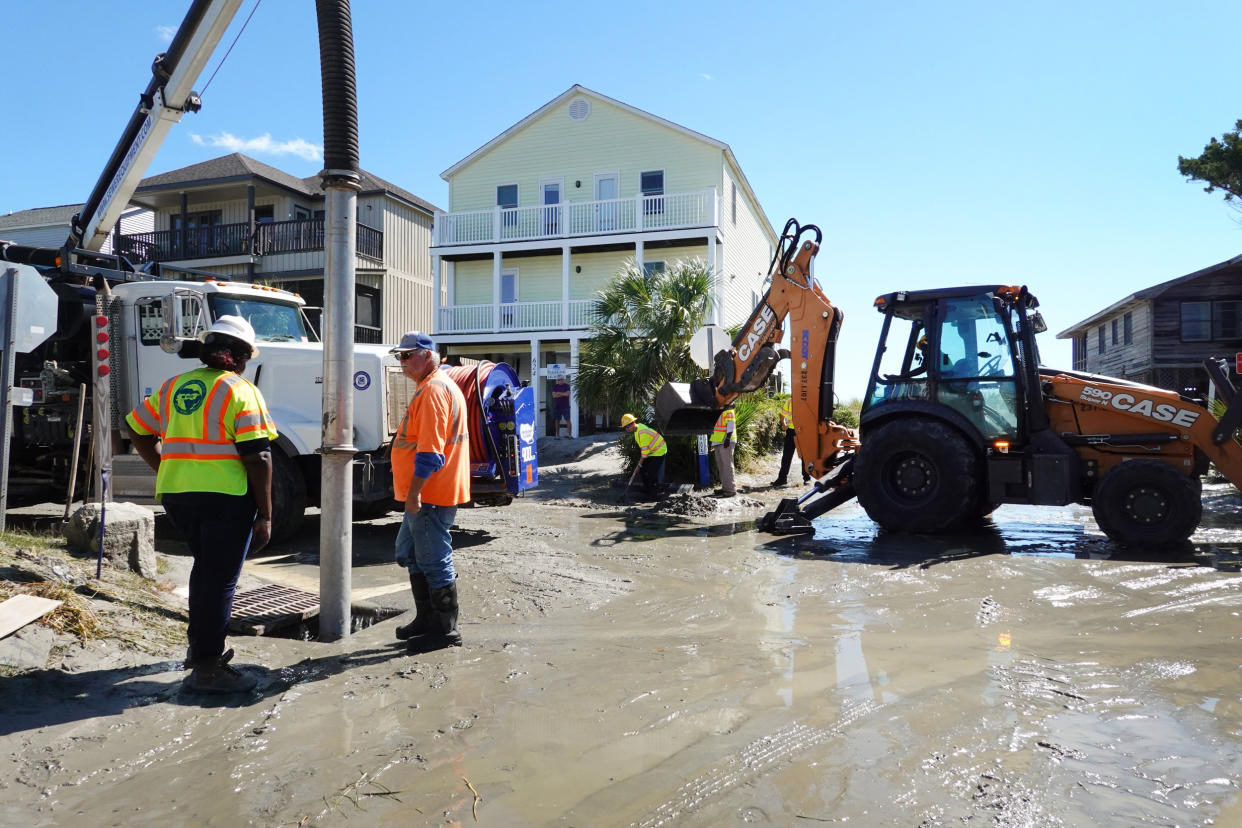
(431, 473)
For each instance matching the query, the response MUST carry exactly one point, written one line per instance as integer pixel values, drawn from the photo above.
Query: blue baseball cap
(414, 341)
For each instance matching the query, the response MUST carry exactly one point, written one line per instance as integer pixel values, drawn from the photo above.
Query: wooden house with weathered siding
(249, 221)
(1161, 335)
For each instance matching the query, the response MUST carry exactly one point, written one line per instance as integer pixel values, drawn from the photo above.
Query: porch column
(565, 286)
(717, 314)
(184, 235)
(496, 257)
(436, 303)
(639, 256)
(250, 227)
(536, 382)
(573, 386)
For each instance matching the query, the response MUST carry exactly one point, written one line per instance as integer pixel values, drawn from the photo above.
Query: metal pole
(337, 529)
(341, 183)
(9, 283)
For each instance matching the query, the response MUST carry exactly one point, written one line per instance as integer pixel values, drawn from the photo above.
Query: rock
(28, 647)
(129, 541)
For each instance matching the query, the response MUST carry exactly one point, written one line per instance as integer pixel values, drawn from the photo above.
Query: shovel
(633, 474)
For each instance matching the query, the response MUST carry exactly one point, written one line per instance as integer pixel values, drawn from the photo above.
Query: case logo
(1161, 412)
(757, 328)
(362, 380)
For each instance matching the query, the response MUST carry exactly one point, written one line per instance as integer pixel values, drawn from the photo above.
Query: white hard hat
(235, 327)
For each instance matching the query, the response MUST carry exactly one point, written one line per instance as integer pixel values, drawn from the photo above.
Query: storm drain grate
(270, 607)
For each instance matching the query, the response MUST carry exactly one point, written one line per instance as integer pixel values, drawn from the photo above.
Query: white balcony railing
(515, 316)
(578, 218)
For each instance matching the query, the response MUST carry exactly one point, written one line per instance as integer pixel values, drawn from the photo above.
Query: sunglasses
(404, 355)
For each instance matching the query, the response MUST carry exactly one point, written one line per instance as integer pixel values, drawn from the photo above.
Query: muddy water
(1027, 675)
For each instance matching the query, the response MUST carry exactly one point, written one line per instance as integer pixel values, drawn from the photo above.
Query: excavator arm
(795, 299)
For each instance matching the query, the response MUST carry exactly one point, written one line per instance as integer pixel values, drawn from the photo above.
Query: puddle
(624, 669)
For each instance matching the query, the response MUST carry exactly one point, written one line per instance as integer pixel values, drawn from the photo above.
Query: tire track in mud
(752, 762)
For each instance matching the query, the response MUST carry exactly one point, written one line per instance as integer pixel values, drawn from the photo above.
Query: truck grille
(399, 391)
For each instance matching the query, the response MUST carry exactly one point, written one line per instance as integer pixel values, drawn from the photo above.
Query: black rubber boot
(444, 600)
(425, 620)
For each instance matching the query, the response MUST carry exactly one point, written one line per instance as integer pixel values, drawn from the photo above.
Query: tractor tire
(917, 475)
(288, 496)
(1147, 503)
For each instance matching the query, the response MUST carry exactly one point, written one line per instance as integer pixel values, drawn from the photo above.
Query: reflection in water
(847, 535)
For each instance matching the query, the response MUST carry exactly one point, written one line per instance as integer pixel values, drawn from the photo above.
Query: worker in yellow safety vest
(722, 446)
(787, 451)
(213, 476)
(651, 445)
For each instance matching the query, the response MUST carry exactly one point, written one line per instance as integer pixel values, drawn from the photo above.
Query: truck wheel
(1147, 503)
(373, 510)
(917, 475)
(288, 496)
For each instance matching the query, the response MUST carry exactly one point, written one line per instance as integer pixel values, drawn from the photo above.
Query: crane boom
(794, 297)
(167, 97)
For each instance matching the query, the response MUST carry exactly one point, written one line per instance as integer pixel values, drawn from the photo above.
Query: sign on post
(1237, 363)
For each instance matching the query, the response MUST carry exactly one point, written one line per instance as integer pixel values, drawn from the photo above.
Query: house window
(1080, 352)
(1227, 319)
(1127, 325)
(1115, 337)
(651, 268)
(301, 213)
(652, 185)
(1196, 321)
(264, 213)
(201, 236)
(507, 200)
(1101, 338)
(506, 196)
(367, 306)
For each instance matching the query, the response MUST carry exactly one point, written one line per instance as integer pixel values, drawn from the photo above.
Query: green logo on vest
(189, 397)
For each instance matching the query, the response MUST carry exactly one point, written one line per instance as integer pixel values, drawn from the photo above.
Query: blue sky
(934, 143)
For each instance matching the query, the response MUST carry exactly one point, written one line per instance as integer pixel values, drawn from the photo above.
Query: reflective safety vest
(787, 413)
(199, 417)
(436, 423)
(725, 424)
(650, 442)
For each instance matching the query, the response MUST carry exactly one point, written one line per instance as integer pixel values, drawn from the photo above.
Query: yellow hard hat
(923, 341)
(626, 419)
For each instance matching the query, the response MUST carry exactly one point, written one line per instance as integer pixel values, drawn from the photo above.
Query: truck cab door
(160, 335)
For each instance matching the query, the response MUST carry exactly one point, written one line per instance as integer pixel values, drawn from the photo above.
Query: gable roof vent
(579, 109)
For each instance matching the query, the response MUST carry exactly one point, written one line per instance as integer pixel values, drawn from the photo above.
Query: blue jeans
(424, 544)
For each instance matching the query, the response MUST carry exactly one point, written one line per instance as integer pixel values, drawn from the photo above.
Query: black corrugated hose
(340, 100)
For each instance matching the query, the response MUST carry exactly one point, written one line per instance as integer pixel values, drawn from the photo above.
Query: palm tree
(641, 333)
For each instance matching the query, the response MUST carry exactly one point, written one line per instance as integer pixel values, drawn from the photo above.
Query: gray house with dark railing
(249, 221)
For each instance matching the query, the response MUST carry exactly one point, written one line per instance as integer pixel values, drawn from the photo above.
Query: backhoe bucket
(676, 413)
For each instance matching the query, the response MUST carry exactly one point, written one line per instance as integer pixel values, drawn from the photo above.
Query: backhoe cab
(960, 417)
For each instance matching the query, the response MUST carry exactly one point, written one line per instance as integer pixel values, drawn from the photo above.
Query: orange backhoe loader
(794, 297)
(960, 417)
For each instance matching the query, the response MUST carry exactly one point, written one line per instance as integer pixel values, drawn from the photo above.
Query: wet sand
(627, 667)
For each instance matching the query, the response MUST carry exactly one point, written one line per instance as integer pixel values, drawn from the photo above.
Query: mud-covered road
(628, 667)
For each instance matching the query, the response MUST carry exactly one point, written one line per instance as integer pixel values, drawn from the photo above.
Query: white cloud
(262, 145)
(165, 33)
(705, 76)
